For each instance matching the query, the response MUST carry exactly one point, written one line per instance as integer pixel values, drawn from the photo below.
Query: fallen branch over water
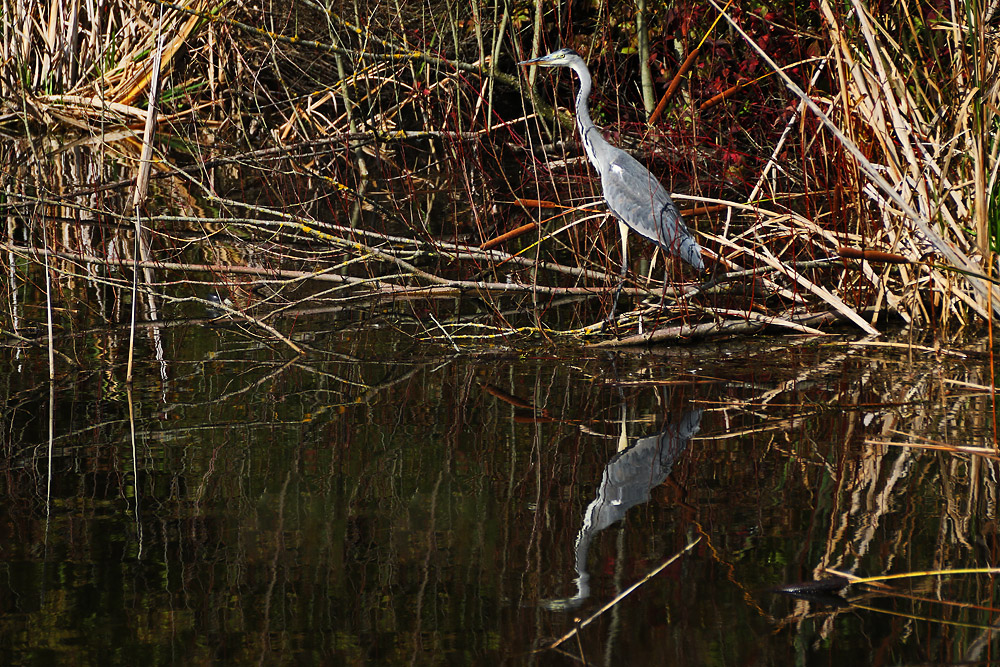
(751, 324)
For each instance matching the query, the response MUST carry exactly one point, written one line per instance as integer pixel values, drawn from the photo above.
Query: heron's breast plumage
(638, 199)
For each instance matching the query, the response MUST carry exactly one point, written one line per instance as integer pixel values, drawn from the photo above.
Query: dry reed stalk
(142, 249)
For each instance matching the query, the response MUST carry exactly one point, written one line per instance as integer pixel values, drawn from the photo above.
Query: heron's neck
(593, 140)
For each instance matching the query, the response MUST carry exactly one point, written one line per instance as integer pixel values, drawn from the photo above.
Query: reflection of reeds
(411, 167)
(900, 492)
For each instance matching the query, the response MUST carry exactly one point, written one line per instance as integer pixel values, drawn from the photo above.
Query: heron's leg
(623, 230)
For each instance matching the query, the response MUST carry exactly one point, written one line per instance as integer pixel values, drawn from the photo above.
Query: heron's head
(560, 58)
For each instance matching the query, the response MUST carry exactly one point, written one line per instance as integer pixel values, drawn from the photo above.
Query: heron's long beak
(539, 59)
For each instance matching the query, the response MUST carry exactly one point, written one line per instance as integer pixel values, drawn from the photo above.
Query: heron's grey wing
(638, 199)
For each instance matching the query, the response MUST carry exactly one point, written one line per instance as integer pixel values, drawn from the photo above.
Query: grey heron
(635, 197)
(628, 479)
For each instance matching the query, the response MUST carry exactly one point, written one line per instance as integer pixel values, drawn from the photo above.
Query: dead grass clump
(917, 93)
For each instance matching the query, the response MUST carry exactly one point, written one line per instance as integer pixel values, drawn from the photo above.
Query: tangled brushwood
(836, 163)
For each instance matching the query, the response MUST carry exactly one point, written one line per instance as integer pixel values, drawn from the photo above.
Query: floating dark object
(823, 591)
(821, 598)
(828, 585)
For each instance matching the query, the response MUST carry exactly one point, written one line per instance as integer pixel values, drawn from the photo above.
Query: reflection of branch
(914, 617)
(386, 384)
(507, 398)
(988, 452)
(258, 382)
(524, 411)
(249, 318)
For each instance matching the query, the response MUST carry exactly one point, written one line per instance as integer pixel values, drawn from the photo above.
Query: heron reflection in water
(634, 196)
(627, 481)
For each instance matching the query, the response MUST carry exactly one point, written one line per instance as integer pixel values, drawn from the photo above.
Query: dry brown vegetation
(389, 160)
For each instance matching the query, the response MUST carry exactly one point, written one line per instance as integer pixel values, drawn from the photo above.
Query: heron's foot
(711, 278)
(611, 324)
(614, 302)
(612, 320)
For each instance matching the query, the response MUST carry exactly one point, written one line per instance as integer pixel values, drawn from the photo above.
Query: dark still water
(387, 501)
